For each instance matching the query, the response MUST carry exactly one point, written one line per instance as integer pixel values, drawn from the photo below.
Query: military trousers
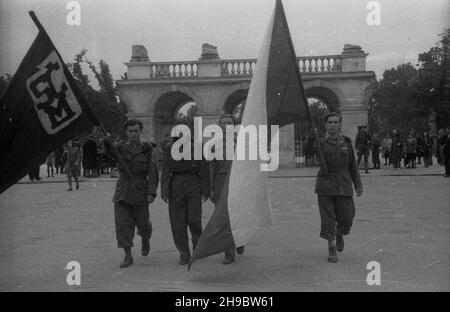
(336, 215)
(185, 210)
(128, 217)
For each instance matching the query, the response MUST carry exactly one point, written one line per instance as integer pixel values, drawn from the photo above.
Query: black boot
(128, 260)
(228, 261)
(145, 246)
(332, 256)
(340, 243)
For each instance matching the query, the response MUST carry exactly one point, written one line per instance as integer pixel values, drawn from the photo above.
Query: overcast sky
(174, 30)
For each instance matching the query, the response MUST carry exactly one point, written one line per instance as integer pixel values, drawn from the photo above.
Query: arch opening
(235, 104)
(170, 108)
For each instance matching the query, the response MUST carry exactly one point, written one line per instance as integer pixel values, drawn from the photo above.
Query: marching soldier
(135, 190)
(184, 185)
(218, 171)
(334, 190)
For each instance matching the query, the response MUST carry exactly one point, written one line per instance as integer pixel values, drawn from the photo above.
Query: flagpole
(305, 99)
(102, 127)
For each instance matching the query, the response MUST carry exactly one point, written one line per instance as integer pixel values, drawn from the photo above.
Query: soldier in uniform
(218, 171)
(135, 190)
(334, 190)
(184, 185)
(362, 144)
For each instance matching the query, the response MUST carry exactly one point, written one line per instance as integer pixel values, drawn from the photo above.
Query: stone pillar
(209, 52)
(353, 59)
(210, 65)
(139, 65)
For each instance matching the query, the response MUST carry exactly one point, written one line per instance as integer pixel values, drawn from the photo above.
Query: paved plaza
(402, 221)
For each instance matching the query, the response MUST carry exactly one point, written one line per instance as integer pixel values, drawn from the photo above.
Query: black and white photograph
(224, 151)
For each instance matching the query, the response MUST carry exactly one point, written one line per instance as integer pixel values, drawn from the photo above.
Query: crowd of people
(416, 148)
(88, 159)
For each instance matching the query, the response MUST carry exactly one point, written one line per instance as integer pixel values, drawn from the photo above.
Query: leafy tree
(432, 88)
(105, 103)
(407, 96)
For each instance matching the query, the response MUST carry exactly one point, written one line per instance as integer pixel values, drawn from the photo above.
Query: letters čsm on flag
(276, 97)
(41, 109)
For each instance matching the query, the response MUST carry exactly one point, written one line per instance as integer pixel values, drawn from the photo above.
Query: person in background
(386, 143)
(376, 144)
(308, 148)
(442, 138)
(362, 145)
(59, 164)
(419, 150)
(34, 173)
(73, 163)
(397, 150)
(90, 157)
(411, 150)
(446, 153)
(427, 146)
(50, 162)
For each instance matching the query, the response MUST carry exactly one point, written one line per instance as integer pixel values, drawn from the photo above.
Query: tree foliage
(408, 95)
(105, 102)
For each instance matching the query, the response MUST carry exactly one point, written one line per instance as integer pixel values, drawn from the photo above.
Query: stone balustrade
(173, 70)
(238, 67)
(320, 64)
(242, 67)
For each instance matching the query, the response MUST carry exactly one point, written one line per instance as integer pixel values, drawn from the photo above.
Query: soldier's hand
(164, 198)
(150, 198)
(359, 192)
(204, 198)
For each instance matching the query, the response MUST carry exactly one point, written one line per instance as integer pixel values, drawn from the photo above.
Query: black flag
(41, 109)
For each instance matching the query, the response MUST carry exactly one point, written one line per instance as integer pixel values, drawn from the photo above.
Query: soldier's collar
(338, 138)
(134, 145)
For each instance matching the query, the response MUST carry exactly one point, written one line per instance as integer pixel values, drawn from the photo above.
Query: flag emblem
(54, 100)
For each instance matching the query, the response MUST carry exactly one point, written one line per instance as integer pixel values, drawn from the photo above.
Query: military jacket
(341, 165)
(171, 167)
(144, 177)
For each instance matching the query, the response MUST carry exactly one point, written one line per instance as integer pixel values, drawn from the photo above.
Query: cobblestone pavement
(402, 221)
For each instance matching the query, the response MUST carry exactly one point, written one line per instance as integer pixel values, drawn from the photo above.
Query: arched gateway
(158, 93)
